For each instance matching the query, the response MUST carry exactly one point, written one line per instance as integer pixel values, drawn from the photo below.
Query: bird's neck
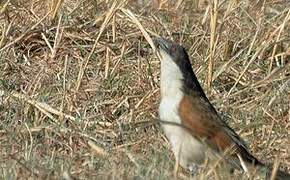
(171, 80)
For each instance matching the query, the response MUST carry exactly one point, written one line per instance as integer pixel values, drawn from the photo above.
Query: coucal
(192, 125)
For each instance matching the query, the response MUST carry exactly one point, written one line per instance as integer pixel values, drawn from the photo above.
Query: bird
(193, 127)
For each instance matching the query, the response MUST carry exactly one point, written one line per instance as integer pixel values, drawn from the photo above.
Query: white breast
(185, 147)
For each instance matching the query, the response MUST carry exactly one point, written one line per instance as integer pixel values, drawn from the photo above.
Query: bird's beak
(162, 44)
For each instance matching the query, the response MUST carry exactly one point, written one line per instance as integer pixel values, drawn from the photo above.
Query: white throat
(171, 77)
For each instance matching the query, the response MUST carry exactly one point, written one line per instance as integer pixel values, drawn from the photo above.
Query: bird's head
(171, 51)
(176, 70)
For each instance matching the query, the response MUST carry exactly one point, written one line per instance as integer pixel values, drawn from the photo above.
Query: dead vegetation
(79, 82)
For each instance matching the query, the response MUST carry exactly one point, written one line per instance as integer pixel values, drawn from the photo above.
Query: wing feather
(200, 117)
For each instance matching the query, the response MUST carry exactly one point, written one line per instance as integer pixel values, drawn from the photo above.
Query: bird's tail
(248, 161)
(270, 173)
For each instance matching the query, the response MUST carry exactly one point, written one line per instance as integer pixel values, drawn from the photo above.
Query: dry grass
(79, 82)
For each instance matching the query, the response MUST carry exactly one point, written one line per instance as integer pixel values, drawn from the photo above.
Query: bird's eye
(173, 48)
